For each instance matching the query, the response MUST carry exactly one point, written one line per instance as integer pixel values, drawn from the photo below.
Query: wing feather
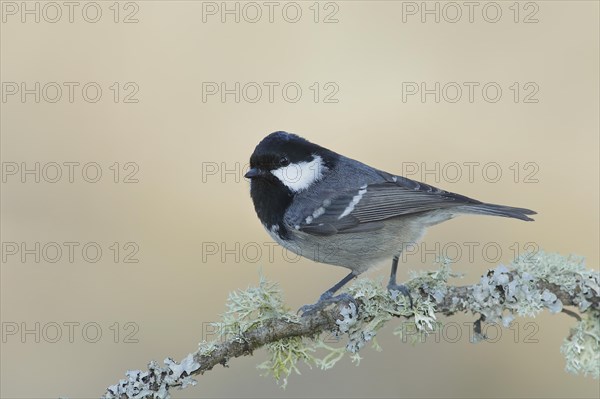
(365, 208)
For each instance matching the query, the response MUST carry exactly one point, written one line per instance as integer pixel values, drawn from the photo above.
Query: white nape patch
(355, 200)
(300, 176)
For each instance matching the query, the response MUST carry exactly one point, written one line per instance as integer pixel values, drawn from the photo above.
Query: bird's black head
(282, 165)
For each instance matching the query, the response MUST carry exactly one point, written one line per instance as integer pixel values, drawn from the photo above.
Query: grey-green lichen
(155, 382)
(532, 283)
(569, 273)
(251, 308)
(435, 285)
(582, 347)
(503, 293)
(284, 356)
(435, 282)
(376, 306)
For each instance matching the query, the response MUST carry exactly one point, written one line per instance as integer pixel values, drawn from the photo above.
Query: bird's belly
(356, 251)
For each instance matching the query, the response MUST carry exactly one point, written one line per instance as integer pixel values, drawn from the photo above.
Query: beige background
(171, 294)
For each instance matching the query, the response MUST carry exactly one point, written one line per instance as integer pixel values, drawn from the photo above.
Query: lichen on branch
(258, 317)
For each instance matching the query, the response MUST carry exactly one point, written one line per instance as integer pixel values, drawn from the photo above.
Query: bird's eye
(283, 161)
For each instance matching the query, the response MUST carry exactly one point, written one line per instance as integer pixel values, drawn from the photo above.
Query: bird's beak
(253, 172)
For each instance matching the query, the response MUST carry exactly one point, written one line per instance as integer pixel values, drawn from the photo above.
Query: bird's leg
(327, 298)
(392, 286)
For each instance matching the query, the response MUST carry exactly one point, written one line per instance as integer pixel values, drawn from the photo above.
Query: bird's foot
(401, 288)
(325, 300)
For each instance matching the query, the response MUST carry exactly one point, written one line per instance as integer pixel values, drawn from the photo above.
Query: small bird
(335, 210)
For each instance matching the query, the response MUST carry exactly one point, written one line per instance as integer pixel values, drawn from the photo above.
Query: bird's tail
(497, 210)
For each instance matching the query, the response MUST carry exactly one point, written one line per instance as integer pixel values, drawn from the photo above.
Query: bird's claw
(401, 288)
(325, 300)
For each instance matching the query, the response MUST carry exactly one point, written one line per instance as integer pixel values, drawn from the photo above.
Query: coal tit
(335, 210)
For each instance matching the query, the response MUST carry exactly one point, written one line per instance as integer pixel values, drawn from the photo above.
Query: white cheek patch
(299, 176)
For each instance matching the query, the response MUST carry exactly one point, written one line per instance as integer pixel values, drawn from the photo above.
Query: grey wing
(365, 208)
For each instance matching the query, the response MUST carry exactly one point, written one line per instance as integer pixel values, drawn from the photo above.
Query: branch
(257, 317)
